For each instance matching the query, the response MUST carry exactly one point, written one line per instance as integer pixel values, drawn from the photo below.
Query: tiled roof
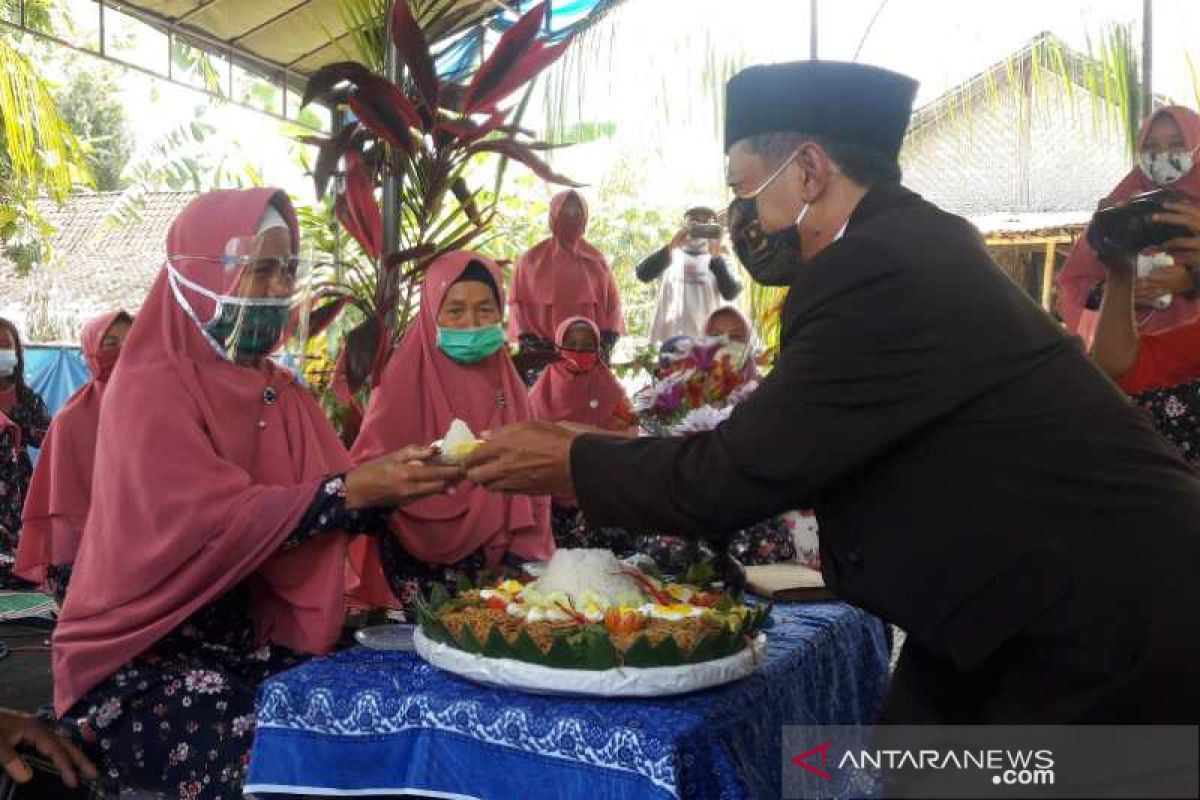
(93, 268)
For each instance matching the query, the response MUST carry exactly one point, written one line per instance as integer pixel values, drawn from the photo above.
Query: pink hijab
(61, 488)
(200, 475)
(562, 277)
(1083, 269)
(591, 398)
(422, 391)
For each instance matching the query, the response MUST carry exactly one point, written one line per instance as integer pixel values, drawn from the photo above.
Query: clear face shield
(251, 302)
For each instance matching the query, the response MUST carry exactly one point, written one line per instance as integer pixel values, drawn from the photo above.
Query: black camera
(704, 230)
(1129, 228)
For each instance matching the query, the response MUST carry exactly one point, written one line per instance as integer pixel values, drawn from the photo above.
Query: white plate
(386, 637)
(617, 682)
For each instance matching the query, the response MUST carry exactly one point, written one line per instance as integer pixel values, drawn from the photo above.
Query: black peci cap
(839, 101)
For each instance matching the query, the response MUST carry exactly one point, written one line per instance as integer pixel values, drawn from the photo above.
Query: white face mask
(1166, 167)
(8, 363)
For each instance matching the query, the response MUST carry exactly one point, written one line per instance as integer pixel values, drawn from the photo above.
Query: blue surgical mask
(470, 345)
(8, 363)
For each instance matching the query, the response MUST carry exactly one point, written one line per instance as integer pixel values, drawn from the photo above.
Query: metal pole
(391, 192)
(812, 29)
(101, 12)
(1147, 57)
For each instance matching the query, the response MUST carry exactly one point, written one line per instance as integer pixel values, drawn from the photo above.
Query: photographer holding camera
(696, 277)
(1140, 362)
(1165, 289)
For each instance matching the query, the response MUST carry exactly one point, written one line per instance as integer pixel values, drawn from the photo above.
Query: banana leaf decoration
(588, 647)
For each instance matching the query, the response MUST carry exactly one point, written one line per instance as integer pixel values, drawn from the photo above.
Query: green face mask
(470, 345)
(257, 329)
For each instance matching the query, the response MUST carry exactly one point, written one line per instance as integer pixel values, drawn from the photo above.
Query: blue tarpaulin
(564, 18)
(55, 372)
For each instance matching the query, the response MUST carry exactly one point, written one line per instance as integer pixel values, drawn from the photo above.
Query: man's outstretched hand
(531, 458)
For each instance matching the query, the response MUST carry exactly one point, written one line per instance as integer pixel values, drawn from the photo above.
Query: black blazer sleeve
(860, 371)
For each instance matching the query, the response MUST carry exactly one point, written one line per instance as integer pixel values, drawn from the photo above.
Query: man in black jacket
(978, 482)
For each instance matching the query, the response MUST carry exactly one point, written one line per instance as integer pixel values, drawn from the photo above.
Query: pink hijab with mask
(563, 277)
(590, 398)
(200, 476)
(1083, 269)
(423, 390)
(61, 488)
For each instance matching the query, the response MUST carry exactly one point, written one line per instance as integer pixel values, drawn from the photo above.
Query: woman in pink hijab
(579, 387)
(452, 364)
(61, 489)
(213, 552)
(1169, 147)
(563, 277)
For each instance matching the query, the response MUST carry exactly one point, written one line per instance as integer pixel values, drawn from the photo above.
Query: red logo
(801, 760)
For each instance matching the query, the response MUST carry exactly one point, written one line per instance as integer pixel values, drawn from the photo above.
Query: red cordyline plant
(427, 133)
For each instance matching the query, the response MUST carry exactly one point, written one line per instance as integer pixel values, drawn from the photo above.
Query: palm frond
(40, 149)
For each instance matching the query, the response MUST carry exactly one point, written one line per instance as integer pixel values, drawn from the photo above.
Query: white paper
(617, 682)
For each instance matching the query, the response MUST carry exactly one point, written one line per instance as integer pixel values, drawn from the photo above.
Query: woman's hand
(1173, 279)
(681, 238)
(397, 479)
(1185, 249)
(16, 728)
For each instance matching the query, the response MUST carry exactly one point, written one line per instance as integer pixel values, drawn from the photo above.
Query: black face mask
(772, 259)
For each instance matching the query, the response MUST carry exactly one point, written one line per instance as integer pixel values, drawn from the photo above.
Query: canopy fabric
(55, 372)
(296, 37)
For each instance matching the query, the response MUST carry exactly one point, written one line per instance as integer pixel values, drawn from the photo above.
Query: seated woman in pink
(61, 489)
(580, 388)
(451, 364)
(213, 553)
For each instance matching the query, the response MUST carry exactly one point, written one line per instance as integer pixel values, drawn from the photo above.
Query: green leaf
(464, 583)
(598, 651)
(466, 640)
(699, 574)
(667, 653)
(496, 646)
(525, 649)
(438, 596)
(640, 653)
(437, 632)
(706, 649)
(563, 655)
(724, 604)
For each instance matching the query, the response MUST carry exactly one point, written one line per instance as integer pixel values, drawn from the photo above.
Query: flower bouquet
(696, 388)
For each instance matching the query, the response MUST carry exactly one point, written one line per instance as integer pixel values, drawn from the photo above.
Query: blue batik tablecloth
(366, 722)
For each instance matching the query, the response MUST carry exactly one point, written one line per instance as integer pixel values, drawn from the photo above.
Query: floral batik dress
(31, 417)
(179, 718)
(1175, 412)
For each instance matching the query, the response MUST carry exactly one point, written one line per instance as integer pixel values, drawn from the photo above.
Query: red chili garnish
(661, 597)
(576, 617)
